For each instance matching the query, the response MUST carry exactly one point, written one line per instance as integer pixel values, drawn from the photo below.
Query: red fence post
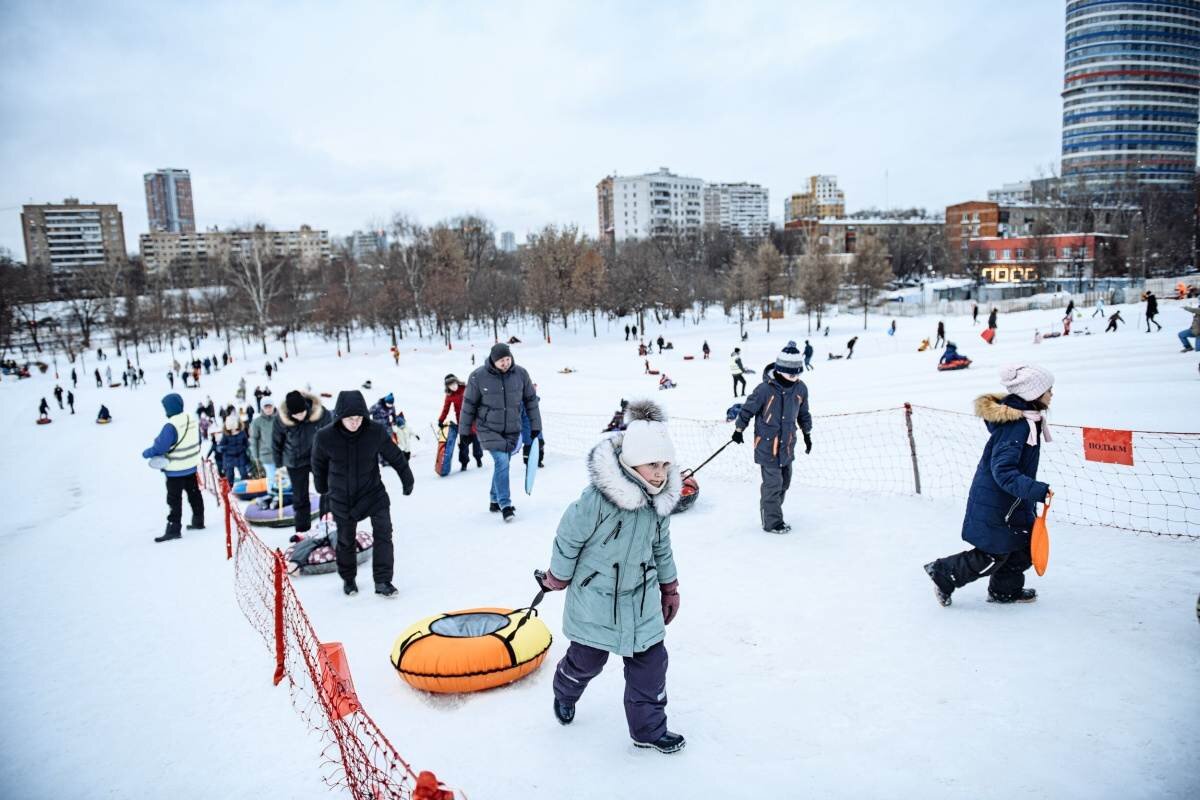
(279, 568)
(228, 519)
(912, 445)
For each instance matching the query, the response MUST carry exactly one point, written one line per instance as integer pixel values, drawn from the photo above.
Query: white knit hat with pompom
(1027, 381)
(646, 439)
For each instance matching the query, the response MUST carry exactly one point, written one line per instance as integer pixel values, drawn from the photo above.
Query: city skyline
(517, 112)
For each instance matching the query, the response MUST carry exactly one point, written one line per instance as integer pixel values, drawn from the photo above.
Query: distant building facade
(1019, 192)
(72, 236)
(741, 207)
(1018, 259)
(983, 219)
(821, 199)
(841, 236)
(169, 205)
(364, 245)
(656, 204)
(604, 209)
(508, 242)
(195, 251)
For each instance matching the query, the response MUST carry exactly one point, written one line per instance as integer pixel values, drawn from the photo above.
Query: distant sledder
(952, 359)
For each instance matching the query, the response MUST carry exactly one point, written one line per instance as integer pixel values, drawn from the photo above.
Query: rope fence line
(355, 754)
(917, 450)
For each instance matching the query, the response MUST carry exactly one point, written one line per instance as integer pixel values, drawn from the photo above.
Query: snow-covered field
(811, 665)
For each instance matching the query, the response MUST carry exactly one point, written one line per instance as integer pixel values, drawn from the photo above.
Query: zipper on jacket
(1011, 509)
(615, 532)
(588, 579)
(645, 581)
(616, 590)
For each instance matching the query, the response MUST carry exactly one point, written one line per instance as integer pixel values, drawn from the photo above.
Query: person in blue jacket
(1001, 505)
(235, 449)
(951, 354)
(778, 405)
(178, 448)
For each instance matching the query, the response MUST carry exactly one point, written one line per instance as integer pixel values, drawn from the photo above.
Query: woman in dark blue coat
(1005, 492)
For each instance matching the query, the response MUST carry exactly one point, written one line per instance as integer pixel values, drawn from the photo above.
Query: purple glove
(670, 600)
(552, 583)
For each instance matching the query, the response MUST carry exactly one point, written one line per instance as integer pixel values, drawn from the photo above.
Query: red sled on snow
(953, 364)
(988, 335)
(447, 437)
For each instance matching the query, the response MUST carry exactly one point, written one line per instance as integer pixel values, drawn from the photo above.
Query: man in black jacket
(345, 465)
(296, 427)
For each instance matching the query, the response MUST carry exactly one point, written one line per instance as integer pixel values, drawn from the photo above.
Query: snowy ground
(816, 664)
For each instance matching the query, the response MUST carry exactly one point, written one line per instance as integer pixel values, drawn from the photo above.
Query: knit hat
(789, 360)
(646, 438)
(294, 403)
(499, 350)
(172, 404)
(1027, 381)
(231, 423)
(452, 378)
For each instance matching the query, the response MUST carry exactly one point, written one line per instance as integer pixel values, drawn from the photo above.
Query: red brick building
(1063, 255)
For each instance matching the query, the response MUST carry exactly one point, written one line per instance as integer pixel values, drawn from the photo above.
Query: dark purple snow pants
(645, 685)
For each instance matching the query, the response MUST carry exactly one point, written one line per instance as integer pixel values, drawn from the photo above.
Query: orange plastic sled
(1039, 543)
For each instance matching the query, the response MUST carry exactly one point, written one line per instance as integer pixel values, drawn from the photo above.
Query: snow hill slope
(816, 664)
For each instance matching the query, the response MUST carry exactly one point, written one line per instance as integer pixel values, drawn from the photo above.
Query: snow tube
(45, 421)
(267, 517)
(956, 363)
(103, 421)
(688, 496)
(323, 559)
(471, 650)
(267, 501)
(256, 487)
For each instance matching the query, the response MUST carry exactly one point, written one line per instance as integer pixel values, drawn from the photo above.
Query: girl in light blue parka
(612, 554)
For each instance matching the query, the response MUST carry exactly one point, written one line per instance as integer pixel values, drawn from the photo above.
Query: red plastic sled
(44, 421)
(958, 363)
(988, 335)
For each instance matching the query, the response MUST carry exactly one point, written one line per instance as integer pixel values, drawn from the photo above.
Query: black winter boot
(196, 525)
(385, 589)
(564, 712)
(168, 535)
(1024, 596)
(494, 508)
(479, 461)
(668, 743)
(942, 588)
(350, 587)
(509, 512)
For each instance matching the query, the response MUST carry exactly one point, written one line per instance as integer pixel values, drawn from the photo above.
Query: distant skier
(178, 444)
(345, 467)
(454, 400)
(941, 334)
(1151, 311)
(620, 599)
(739, 371)
(1113, 320)
(1005, 492)
(292, 436)
(778, 405)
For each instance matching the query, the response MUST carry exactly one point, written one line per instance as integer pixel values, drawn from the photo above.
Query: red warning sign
(1107, 446)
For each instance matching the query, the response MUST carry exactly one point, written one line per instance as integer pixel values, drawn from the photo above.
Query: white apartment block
(741, 207)
(657, 204)
(367, 245)
(162, 250)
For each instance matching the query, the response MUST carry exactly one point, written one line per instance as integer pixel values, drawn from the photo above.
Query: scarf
(1033, 418)
(647, 487)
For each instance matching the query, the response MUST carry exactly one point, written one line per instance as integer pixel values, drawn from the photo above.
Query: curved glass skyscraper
(1131, 85)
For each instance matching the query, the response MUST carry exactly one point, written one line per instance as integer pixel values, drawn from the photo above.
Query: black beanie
(294, 403)
(499, 350)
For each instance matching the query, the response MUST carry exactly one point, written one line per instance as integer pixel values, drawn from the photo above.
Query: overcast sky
(340, 114)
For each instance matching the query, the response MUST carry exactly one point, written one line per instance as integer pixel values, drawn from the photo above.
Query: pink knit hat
(1027, 381)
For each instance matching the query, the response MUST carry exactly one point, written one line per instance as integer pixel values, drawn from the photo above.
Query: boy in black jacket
(345, 465)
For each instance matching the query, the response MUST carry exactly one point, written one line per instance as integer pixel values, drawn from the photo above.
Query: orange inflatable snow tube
(471, 650)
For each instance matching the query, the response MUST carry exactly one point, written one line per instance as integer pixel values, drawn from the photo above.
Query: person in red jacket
(454, 397)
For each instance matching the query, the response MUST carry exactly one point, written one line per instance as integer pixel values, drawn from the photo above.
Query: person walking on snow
(261, 448)
(466, 444)
(660, 342)
(74, 379)
(1113, 320)
(58, 395)
(1004, 494)
(706, 350)
(383, 412)
(739, 371)
(292, 438)
(850, 347)
(1099, 310)
(234, 447)
(941, 334)
(345, 467)
(178, 448)
(1067, 325)
(808, 354)
(974, 314)
(99, 381)
(1193, 332)
(1071, 307)
(171, 378)
(495, 394)
(778, 405)
(612, 553)
(71, 400)
(627, 333)
(992, 318)
(1151, 311)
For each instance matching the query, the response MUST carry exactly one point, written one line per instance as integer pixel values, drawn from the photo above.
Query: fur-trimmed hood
(315, 410)
(606, 474)
(993, 409)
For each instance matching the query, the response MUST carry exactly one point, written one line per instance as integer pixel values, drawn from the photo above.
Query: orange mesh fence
(355, 754)
(932, 452)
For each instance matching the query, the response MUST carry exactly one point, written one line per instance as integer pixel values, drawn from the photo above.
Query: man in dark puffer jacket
(296, 427)
(345, 464)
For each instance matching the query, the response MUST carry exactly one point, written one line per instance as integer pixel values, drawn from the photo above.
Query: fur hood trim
(606, 474)
(314, 414)
(991, 408)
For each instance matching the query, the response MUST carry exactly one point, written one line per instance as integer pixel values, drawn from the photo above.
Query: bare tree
(588, 283)
(818, 280)
(869, 271)
(256, 275)
(768, 265)
(739, 287)
(446, 290)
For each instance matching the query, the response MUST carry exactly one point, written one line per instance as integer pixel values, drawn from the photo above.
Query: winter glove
(807, 444)
(551, 583)
(670, 600)
(737, 437)
(467, 438)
